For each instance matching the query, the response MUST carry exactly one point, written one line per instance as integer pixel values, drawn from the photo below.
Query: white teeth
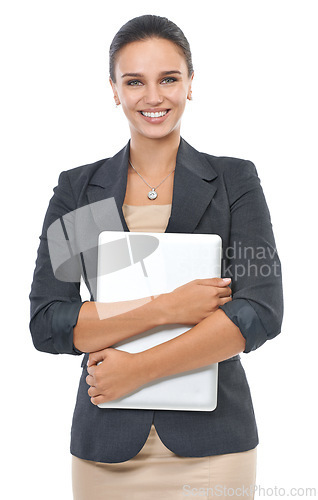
(154, 115)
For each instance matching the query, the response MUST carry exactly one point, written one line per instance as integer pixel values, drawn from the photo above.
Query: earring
(190, 98)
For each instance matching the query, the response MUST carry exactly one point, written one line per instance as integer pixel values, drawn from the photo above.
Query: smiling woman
(137, 453)
(157, 95)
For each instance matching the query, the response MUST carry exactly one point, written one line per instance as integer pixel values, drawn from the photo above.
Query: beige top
(147, 218)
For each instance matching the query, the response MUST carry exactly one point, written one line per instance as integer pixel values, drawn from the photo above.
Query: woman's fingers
(95, 358)
(90, 380)
(93, 392)
(224, 292)
(225, 300)
(219, 282)
(98, 400)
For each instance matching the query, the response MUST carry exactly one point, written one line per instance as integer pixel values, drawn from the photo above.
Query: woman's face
(152, 76)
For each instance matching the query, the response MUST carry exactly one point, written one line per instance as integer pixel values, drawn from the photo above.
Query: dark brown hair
(148, 26)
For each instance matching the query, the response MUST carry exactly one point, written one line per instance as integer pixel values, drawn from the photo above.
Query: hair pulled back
(144, 27)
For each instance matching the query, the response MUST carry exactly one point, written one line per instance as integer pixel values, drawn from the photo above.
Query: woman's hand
(191, 303)
(119, 373)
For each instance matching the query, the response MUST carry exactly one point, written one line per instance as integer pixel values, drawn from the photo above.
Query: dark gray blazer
(219, 195)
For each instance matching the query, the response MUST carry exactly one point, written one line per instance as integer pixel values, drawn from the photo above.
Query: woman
(158, 182)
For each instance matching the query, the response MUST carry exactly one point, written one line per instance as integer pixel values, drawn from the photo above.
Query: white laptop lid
(133, 265)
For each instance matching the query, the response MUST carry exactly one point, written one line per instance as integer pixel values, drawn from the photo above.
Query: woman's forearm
(100, 325)
(214, 339)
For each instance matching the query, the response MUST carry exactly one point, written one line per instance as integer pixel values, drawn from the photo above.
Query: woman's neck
(154, 157)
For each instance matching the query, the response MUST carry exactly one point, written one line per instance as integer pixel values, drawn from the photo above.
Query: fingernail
(226, 280)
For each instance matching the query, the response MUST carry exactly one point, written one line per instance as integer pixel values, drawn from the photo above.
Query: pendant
(152, 195)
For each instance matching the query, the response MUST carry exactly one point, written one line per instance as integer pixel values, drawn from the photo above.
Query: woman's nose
(153, 95)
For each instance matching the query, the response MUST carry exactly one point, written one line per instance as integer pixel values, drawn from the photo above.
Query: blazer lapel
(110, 181)
(191, 193)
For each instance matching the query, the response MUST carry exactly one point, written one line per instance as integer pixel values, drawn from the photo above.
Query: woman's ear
(113, 86)
(189, 96)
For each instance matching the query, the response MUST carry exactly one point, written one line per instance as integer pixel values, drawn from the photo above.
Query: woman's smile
(155, 117)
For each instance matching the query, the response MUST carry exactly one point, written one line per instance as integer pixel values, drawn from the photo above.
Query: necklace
(152, 195)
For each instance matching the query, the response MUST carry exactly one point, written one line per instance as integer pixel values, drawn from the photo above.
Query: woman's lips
(151, 119)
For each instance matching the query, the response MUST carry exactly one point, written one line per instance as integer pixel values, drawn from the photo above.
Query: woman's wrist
(144, 366)
(161, 309)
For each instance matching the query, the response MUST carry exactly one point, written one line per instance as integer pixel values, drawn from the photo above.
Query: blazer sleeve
(55, 304)
(251, 259)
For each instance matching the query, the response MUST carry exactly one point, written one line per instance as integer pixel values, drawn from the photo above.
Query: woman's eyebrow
(140, 75)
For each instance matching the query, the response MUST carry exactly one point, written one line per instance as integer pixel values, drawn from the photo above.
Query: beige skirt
(158, 473)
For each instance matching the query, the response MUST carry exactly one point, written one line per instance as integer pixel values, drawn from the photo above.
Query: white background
(255, 97)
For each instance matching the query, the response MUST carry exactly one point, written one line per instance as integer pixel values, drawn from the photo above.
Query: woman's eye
(169, 78)
(133, 82)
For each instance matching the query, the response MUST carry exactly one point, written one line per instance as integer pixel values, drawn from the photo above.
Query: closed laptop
(133, 265)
